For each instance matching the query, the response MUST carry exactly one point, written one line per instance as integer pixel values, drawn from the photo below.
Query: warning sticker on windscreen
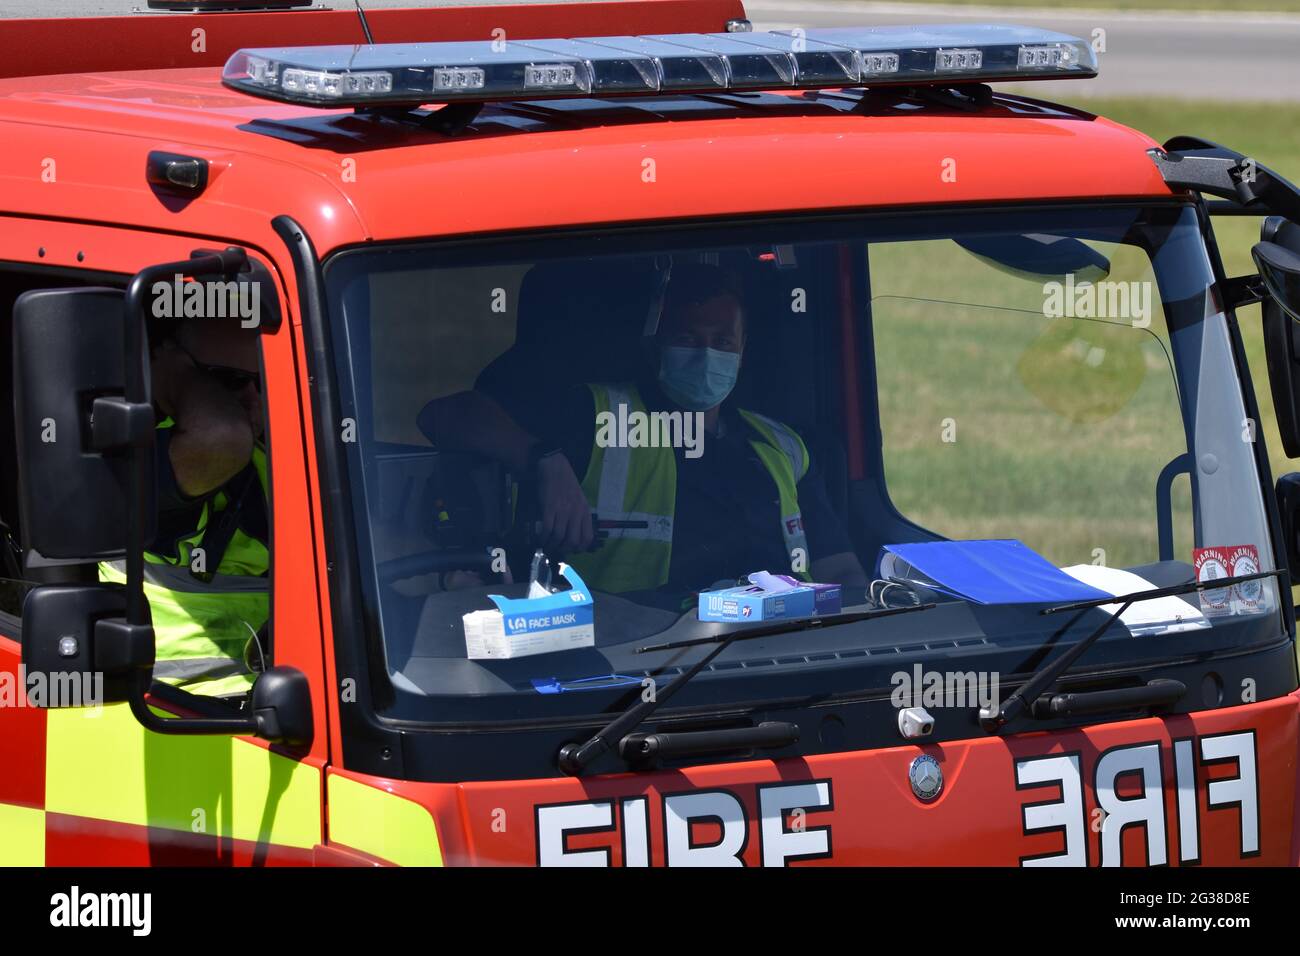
(1229, 561)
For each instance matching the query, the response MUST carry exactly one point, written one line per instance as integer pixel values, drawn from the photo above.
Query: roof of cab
(350, 177)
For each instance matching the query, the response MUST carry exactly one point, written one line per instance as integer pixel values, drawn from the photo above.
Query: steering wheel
(427, 562)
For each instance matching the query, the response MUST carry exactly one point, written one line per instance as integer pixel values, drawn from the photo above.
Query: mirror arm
(1207, 174)
(1186, 162)
(240, 726)
(116, 424)
(280, 710)
(1240, 291)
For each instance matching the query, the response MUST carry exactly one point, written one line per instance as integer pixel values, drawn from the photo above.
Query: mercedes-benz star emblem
(926, 777)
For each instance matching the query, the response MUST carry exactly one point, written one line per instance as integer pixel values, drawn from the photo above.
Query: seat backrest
(579, 321)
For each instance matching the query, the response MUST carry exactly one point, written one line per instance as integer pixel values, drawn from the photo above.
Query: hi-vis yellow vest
(201, 627)
(640, 484)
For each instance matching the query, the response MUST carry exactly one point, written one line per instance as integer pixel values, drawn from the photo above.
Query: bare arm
(212, 438)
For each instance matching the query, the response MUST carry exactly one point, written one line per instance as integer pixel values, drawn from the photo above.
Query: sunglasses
(228, 377)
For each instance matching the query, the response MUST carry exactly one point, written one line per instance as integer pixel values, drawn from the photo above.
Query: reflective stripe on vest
(640, 484)
(201, 627)
(786, 458)
(624, 486)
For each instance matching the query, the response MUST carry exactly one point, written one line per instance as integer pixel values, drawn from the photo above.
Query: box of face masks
(769, 597)
(532, 625)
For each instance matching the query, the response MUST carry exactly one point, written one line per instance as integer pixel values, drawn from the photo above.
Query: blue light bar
(611, 70)
(414, 74)
(678, 67)
(976, 52)
(748, 67)
(816, 62)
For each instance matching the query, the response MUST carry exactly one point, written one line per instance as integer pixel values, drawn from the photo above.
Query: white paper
(896, 569)
(484, 635)
(1155, 616)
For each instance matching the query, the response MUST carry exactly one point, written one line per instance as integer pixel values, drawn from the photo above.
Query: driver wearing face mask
(743, 495)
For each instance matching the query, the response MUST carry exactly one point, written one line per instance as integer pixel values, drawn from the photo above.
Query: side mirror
(75, 492)
(1279, 268)
(75, 495)
(1277, 257)
(1288, 506)
(282, 707)
(78, 650)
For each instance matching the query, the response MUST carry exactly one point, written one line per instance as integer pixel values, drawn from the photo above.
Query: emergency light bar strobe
(414, 74)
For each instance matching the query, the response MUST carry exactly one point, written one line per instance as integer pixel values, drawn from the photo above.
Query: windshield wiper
(574, 758)
(993, 719)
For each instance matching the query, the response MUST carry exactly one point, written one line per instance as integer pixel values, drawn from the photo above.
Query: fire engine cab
(962, 363)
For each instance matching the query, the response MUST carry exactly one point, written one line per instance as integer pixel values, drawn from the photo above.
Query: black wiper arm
(993, 719)
(574, 758)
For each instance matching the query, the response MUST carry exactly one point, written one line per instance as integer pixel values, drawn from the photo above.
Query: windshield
(990, 410)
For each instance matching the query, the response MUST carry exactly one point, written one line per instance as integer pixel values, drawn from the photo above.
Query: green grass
(1023, 400)
(1269, 134)
(1001, 422)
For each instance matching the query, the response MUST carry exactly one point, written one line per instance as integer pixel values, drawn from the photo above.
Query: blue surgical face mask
(697, 379)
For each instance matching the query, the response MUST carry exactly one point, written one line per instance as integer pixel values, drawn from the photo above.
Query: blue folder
(986, 572)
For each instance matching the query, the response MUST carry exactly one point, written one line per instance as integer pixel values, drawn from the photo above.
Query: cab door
(89, 785)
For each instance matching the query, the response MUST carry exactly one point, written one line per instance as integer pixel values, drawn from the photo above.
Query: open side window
(100, 595)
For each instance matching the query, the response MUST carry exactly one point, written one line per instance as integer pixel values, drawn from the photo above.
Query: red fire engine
(969, 316)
